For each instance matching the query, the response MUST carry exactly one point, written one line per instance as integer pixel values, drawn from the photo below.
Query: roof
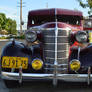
(55, 11)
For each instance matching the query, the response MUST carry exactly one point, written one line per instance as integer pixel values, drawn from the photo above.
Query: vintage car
(56, 48)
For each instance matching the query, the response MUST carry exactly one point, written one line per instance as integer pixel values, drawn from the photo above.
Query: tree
(11, 26)
(2, 21)
(7, 24)
(86, 4)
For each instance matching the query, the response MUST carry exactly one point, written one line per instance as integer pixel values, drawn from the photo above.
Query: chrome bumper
(63, 77)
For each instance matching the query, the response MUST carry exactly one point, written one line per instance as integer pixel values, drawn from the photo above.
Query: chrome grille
(62, 46)
(49, 45)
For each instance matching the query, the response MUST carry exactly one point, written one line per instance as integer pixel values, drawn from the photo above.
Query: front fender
(17, 49)
(85, 56)
(37, 51)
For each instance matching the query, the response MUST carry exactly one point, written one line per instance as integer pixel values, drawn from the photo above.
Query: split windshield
(73, 20)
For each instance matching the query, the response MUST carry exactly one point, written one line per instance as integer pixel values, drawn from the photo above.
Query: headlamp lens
(81, 36)
(31, 36)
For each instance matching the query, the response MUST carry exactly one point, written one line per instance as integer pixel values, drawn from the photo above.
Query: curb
(4, 40)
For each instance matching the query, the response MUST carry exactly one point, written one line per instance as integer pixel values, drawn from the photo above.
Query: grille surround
(62, 46)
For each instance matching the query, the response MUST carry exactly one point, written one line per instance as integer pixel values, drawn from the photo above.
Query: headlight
(81, 36)
(37, 64)
(31, 36)
(75, 65)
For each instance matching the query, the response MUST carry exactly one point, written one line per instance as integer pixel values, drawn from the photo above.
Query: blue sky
(11, 9)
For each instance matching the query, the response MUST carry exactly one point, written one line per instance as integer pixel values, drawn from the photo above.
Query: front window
(73, 20)
(38, 20)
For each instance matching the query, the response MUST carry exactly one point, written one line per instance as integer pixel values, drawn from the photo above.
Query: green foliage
(7, 24)
(86, 4)
(2, 21)
(11, 26)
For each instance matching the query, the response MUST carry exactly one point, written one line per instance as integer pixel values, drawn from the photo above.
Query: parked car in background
(56, 48)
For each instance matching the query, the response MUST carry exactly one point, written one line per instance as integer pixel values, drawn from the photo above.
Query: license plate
(14, 62)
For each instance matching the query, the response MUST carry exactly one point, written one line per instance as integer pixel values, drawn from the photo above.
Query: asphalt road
(47, 87)
(44, 86)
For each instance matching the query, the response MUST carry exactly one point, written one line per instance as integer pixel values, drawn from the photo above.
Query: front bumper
(63, 77)
(55, 76)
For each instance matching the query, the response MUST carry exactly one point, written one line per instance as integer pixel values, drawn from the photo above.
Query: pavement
(4, 39)
(3, 88)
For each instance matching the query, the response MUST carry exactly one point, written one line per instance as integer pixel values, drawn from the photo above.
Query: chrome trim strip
(59, 69)
(89, 73)
(58, 58)
(64, 77)
(79, 53)
(20, 75)
(57, 51)
(63, 65)
(36, 29)
(54, 36)
(58, 64)
(58, 43)
(55, 71)
(15, 76)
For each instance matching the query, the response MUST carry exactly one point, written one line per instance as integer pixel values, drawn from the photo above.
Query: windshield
(73, 20)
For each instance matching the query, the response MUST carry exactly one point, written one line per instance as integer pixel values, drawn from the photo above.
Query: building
(88, 22)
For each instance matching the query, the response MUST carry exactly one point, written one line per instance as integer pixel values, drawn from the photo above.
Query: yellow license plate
(14, 62)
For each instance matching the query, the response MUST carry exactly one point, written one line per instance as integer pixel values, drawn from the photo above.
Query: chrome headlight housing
(81, 36)
(31, 36)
